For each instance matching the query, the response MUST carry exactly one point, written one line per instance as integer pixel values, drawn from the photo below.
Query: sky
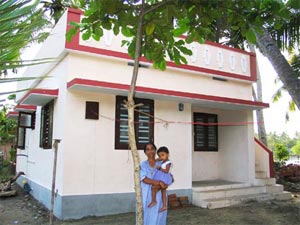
(274, 115)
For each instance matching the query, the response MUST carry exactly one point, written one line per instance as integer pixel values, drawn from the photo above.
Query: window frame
(48, 145)
(89, 115)
(119, 101)
(22, 146)
(32, 120)
(205, 117)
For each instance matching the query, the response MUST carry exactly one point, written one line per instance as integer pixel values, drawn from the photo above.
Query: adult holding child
(152, 215)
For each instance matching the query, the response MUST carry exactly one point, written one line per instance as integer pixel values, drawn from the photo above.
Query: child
(162, 174)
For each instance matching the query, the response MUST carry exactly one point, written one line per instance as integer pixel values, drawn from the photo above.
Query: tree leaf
(126, 31)
(149, 28)
(250, 35)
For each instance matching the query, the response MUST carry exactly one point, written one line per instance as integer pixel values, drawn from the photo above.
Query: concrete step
(282, 196)
(219, 187)
(274, 189)
(228, 192)
(264, 181)
(233, 200)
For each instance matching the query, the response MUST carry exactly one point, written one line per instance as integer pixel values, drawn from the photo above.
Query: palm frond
(12, 92)
(21, 23)
(20, 79)
(277, 95)
(292, 106)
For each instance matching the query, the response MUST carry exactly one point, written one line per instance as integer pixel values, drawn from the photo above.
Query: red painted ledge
(125, 87)
(21, 107)
(39, 92)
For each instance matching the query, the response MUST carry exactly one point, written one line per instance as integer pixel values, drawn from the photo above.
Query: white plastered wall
(234, 159)
(236, 147)
(117, 71)
(38, 164)
(90, 156)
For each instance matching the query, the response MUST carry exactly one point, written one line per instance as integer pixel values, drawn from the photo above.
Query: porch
(220, 193)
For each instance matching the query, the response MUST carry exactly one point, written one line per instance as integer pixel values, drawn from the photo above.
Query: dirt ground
(23, 210)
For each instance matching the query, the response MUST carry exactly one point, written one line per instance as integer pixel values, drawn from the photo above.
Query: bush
(281, 153)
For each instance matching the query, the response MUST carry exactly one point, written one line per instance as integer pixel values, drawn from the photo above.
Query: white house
(80, 102)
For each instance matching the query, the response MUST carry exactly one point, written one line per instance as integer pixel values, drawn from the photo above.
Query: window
(46, 126)
(27, 119)
(205, 136)
(21, 137)
(92, 110)
(144, 123)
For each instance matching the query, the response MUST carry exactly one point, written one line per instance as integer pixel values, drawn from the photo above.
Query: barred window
(144, 127)
(46, 126)
(205, 136)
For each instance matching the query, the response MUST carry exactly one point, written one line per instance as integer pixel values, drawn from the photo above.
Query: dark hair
(163, 149)
(150, 143)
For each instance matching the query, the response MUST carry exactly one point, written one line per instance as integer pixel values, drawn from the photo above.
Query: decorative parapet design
(209, 58)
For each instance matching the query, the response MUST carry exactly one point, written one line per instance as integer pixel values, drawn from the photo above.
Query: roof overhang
(163, 94)
(39, 97)
(12, 115)
(24, 108)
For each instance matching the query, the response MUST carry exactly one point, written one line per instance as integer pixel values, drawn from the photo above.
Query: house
(293, 159)
(202, 111)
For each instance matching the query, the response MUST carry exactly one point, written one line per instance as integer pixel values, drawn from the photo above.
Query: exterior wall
(47, 51)
(35, 162)
(117, 71)
(206, 164)
(178, 138)
(261, 158)
(204, 55)
(234, 150)
(99, 164)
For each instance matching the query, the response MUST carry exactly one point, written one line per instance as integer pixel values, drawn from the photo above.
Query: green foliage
(197, 20)
(284, 139)
(12, 155)
(20, 24)
(7, 128)
(281, 152)
(296, 148)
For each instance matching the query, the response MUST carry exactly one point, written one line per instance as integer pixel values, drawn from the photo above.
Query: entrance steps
(220, 196)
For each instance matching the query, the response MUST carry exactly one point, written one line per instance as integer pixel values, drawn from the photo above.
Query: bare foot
(152, 204)
(164, 208)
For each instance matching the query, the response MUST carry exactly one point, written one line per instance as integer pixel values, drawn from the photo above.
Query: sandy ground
(25, 210)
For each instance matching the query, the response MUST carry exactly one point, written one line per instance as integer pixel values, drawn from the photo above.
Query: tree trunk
(131, 129)
(289, 78)
(262, 136)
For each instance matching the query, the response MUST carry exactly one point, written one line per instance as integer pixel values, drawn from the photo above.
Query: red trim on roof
(125, 87)
(25, 108)
(45, 92)
(270, 153)
(12, 114)
(74, 15)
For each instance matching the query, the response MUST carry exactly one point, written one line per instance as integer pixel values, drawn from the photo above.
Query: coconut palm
(21, 23)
